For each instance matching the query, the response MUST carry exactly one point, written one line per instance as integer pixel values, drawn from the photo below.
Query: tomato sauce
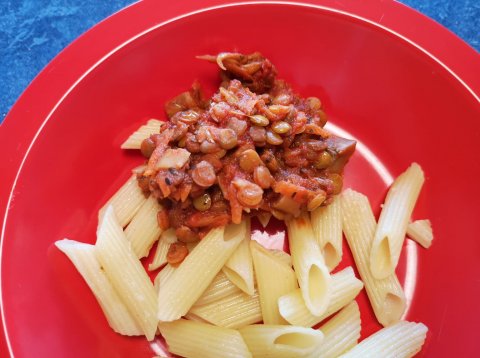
(254, 148)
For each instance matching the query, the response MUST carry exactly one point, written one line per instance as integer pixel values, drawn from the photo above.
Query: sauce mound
(255, 148)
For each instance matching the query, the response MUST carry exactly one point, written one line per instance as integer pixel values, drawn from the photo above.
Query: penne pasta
(126, 273)
(223, 290)
(400, 340)
(341, 333)
(143, 230)
(327, 228)
(386, 295)
(239, 267)
(83, 257)
(140, 169)
(196, 272)
(192, 317)
(279, 341)
(126, 202)
(234, 311)
(345, 287)
(282, 256)
(134, 141)
(163, 276)
(192, 339)
(167, 238)
(312, 273)
(219, 288)
(392, 224)
(421, 232)
(274, 279)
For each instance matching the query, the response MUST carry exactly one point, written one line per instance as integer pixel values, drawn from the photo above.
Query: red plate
(406, 88)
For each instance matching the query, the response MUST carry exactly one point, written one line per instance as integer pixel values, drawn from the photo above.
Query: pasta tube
(392, 224)
(166, 239)
(274, 279)
(312, 273)
(193, 339)
(280, 341)
(126, 202)
(134, 141)
(143, 230)
(386, 295)
(126, 273)
(421, 232)
(341, 333)
(84, 258)
(239, 267)
(234, 311)
(282, 256)
(192, 317)
(327, 227)
(197, 271)
(219, 288)
(163, 276)
(345, 287)
(401, 340)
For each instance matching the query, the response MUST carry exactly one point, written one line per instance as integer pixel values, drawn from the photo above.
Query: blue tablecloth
(32, 32)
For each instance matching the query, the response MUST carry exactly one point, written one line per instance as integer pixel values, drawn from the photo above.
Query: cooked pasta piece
(327, 227)
(143, 230)
(386, 295)
(167, 238)
(421, 232)
(192, 339)
(126, 273)
(400, 340)
(163, 276)
(312, 273)
(234, 311)
(282, 256)
(239, 267)
(220, 287)
(134, 141)
(345, 287)
(84, 259)
(196, 272)
(392, 224)
(274, 279)
(341, 333)
(192, 317)
(126, 202)
(279, 341)
(140, 169)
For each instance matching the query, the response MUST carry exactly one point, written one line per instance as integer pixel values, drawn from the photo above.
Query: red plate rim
(39, 101)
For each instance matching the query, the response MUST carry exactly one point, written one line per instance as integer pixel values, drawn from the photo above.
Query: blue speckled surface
(32, 32)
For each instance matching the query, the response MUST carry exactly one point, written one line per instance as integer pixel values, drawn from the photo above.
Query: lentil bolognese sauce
(255, 148)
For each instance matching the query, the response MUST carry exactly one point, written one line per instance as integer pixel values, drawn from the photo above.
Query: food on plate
(421, 232)
(327, 228)
(274, 279)
(408, 338)
(393, 221)
(255, 147)
(345, 287)
(340, 333)
(386, 295)
(219, 293)
(280, 341)
(312, 273)
(197, 271)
